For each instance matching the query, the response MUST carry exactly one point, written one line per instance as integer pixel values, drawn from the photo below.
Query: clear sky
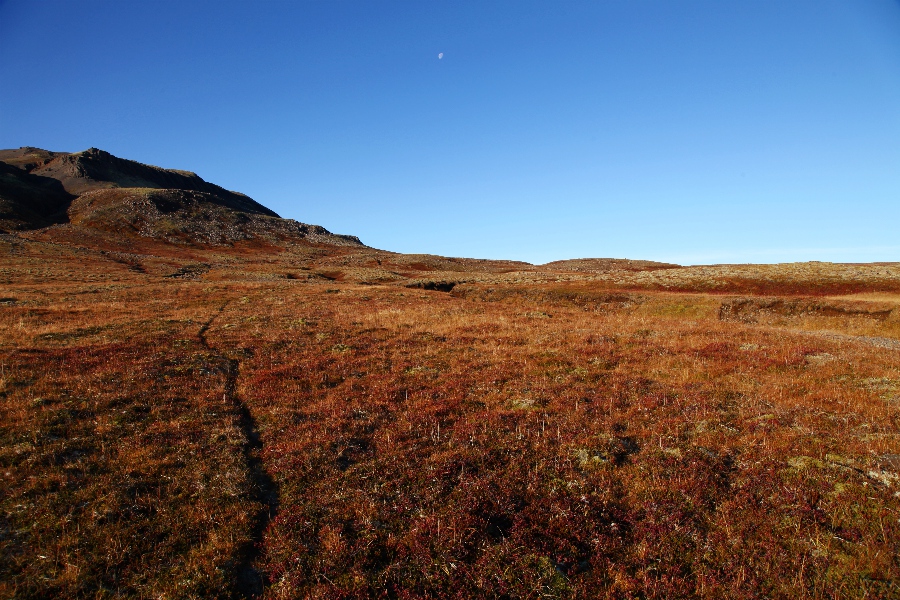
(693, 132)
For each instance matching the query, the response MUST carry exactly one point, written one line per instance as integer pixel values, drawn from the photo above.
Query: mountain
(104, 193)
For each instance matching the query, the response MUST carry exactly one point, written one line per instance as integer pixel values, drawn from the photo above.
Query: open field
(314, 421)
(201, 399)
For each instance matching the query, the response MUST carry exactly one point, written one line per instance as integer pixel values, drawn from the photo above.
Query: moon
(440, 55)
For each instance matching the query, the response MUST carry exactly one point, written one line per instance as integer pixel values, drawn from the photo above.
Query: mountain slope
(29, 201)
(96, 190)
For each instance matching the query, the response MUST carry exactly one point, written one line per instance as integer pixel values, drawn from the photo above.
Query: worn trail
(249, 582)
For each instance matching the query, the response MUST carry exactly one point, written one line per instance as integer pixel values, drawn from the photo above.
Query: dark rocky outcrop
(30, 201)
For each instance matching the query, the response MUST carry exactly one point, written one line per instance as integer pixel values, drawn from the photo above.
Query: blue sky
(693, 132)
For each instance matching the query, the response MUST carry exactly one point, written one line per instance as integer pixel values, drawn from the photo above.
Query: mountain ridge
(95, 189)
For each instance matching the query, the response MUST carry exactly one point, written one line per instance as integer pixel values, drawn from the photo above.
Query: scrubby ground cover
(300, 424)
(124, 471)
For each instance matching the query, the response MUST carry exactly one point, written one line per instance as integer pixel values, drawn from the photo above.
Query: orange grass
(237, 432)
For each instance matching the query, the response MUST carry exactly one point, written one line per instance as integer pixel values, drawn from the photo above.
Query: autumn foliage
(317, 422)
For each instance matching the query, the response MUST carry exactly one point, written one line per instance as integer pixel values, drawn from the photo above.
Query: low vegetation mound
(604, 265)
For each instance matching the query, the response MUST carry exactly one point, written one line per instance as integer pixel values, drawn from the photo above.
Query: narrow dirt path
(249, 582)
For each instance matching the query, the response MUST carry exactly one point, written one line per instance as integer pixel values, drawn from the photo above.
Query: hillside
(102, 193)
(199, 399)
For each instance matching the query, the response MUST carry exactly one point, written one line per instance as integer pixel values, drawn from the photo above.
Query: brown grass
(530, 434)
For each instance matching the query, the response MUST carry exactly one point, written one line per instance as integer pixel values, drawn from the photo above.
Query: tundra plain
(306, 417)
(318, 421)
